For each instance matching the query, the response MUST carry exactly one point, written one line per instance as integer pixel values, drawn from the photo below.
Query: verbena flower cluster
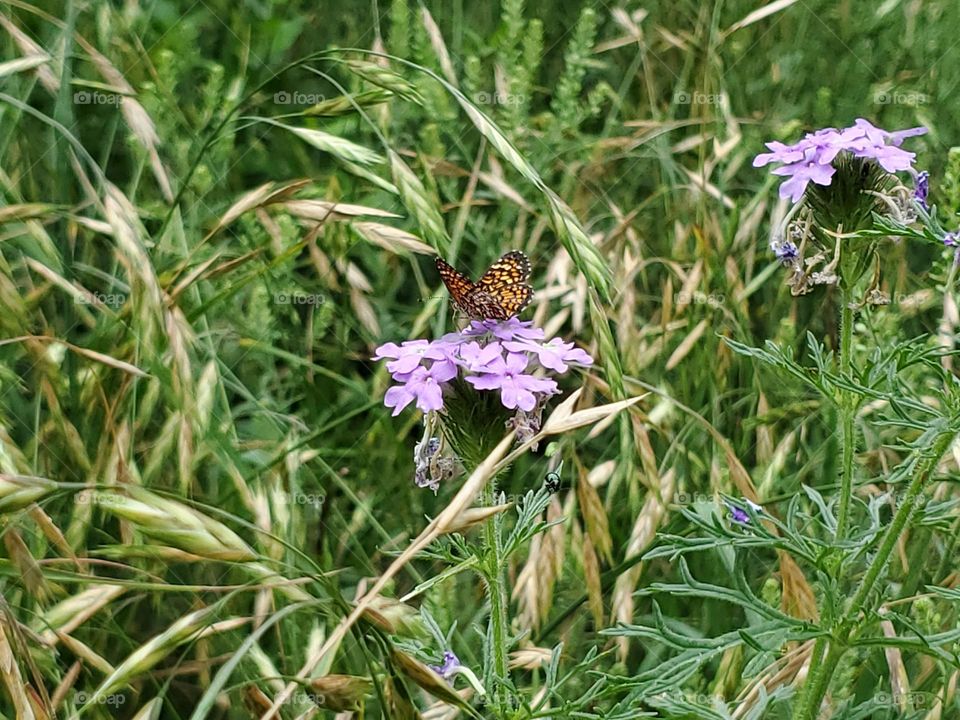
(811, 159)
(491, 355)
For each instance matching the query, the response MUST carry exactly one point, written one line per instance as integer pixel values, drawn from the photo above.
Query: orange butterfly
(500, 293)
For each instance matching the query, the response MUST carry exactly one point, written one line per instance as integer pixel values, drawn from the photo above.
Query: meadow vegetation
(213, 214)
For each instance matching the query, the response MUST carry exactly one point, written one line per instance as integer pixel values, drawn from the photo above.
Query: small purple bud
(922, 189)
(739, 515)
(451, 663)
(952, 240)
(786, 251)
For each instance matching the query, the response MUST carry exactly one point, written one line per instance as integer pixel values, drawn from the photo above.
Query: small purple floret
(517, 389)
(785, 250)
(741, 516)
(952, 240)
(554, 355)
(451, 663)
(922, 189)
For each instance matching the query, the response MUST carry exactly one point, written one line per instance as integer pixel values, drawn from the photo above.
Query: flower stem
(857, 608)
(900, 519)
(848, 411)
(816, 686)
(815, 662)
(493, 575)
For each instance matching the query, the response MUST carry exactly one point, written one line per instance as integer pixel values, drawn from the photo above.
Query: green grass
(192, 429)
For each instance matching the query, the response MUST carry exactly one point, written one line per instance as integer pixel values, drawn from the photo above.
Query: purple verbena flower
(505, 329)
(786, 154)
(785, 250)
(738, 515)
(517, 389)
(810, 159)
(553, 355)
(423, 385)
(890, 158)
(451, 664)
(408, 355)
(801, 173)
(877, 136)
(478, 358)
(741, 516)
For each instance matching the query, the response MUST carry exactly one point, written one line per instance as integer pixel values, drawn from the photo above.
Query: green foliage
(213, 213)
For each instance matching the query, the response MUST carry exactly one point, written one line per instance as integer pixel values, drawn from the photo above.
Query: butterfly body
(500, 293)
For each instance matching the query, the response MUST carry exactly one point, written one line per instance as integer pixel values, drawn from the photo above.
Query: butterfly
(500, 293)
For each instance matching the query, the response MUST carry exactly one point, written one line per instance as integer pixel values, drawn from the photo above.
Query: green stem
(900, 521)
(493, 574)
(848, 411)
(815, 663)
(816, 686)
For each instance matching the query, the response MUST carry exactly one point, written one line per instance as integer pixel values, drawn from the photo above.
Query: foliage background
(642, 117)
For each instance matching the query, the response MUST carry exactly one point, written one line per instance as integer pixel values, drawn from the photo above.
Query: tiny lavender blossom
(811, 159)
(553, 355)
(738, 515)
(423, 385)
(741, 516)
(785, 250)
(952, 240)
(451, 664)
(504, 329)
(517, 388)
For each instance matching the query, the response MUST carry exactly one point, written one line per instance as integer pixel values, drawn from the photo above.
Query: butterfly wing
(512, 269)
(500, 293)
(506, 283)
(457, 283)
